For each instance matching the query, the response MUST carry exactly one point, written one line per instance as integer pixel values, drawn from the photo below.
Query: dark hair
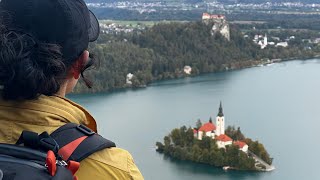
(29, 68)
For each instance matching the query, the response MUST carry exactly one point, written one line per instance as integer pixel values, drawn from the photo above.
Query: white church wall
(220, 126)
(200, 134)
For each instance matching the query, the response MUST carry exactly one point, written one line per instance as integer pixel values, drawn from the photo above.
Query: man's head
(67, 23)
(48, 38)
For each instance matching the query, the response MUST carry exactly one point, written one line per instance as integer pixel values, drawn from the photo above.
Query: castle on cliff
(220, 24)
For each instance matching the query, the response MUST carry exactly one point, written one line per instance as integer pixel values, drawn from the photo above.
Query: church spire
(220, 114)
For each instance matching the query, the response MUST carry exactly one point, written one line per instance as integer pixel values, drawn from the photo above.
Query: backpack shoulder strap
(77, 142)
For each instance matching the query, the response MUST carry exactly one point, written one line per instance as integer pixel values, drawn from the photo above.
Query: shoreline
(224, 68)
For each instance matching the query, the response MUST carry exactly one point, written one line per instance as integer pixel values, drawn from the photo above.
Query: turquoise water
(279, 105)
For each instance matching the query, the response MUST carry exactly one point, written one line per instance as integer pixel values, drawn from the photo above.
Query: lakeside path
(259, 160)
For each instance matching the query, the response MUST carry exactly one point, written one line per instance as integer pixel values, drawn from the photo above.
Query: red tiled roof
(205, 14)
(223, 138)
(212, 16)
(208, 127)
(240, 144)
(195, 131)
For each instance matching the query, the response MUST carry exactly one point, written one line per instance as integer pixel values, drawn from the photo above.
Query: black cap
(68, 23)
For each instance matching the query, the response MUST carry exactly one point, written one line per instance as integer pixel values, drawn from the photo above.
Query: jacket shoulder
(109, 163)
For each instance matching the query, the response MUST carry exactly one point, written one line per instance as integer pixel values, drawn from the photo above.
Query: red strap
(73, 166)
(68, 149)
(51, 163)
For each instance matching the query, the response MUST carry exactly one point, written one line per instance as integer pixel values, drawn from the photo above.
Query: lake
(279, 105)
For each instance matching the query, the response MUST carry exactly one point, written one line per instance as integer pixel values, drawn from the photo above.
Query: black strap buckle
(50, 144)
(42, 142)
(84, 129)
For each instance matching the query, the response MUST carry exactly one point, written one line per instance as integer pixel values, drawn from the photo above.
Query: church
(217, 132)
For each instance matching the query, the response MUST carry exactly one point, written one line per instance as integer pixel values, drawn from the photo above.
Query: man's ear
(79, 64)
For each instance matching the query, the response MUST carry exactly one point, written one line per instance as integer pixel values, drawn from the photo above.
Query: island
(212, 144)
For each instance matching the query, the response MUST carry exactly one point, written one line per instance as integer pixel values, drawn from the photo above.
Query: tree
(205, 143)
(196, 152)
(167, 141)
(176, 137)
(189, 137)
(160, 147)
(234, 134)
(198, 124)
(219, 159)
(205, 156)
(238, 135)
(232, 154)
(245, 162)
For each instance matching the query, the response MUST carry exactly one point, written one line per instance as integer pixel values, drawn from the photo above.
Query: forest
(161, 52)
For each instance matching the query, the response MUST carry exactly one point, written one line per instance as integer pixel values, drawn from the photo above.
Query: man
(43, 53)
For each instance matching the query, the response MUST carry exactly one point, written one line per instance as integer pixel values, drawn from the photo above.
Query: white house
(208, 129)
(282, 44)
(187, 69)
(129, 77)
(223, 141)
(242, 146)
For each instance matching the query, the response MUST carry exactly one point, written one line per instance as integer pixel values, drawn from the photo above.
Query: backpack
(56, 156)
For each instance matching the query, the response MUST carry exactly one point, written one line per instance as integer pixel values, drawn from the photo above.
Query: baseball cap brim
(94, 27)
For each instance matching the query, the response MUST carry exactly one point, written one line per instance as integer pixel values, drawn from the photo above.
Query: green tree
(160, 147)
(196, 152)
(198, 124)
(167, 141)
(176, 137)
(189, 137)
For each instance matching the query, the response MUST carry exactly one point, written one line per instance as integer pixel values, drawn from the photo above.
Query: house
(129, 78)
(316, 40)
(282, 44)
(242, 146)
(261, 40)
(187, 69)
(223, 141)
(207, 129)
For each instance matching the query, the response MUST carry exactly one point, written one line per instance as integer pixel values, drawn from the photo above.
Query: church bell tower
(220, 121)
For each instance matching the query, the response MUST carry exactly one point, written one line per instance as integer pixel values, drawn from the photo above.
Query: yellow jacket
(47, 113)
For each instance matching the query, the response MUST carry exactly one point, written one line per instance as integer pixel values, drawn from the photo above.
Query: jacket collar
(53, 108)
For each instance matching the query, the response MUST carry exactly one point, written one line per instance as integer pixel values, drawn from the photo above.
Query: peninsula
(212, 144)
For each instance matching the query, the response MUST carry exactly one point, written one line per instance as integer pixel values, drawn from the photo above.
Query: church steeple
(220, 122)
(220, 114)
